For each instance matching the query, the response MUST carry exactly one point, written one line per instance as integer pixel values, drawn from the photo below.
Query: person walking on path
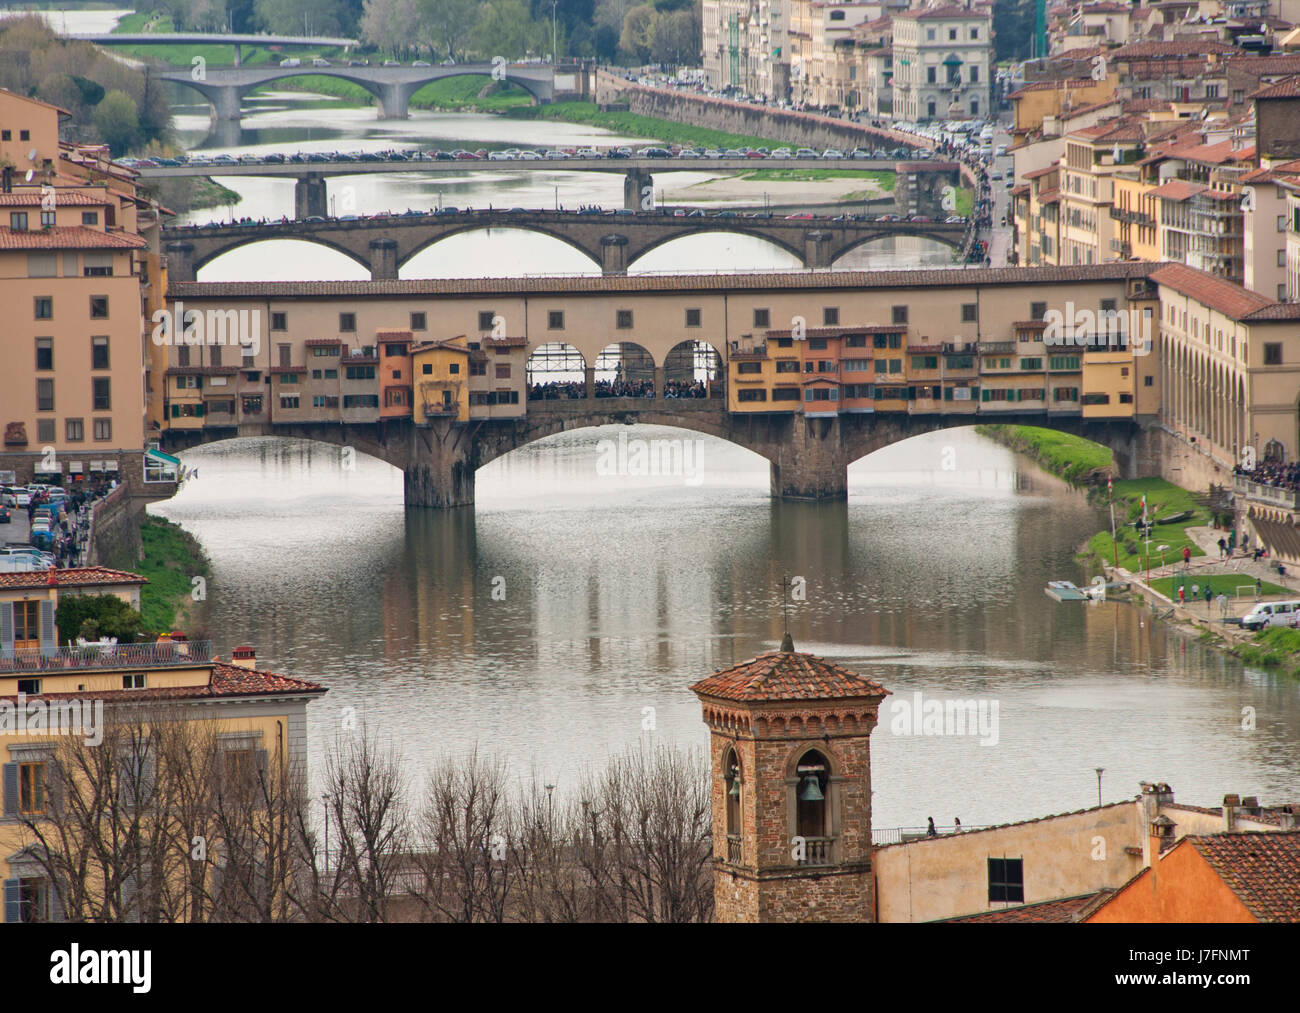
(1223, 547)
(1187, 556)
(1208, 595)
(1182, 595)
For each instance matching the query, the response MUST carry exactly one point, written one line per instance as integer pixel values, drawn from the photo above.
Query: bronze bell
(810, 790)
(734, 791)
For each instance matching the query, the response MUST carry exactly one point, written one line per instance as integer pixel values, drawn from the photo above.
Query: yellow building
(764, 375)
(441, 380)
(72, 716)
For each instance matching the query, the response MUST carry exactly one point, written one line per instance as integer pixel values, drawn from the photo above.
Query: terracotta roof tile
(68, 237)
(1289, 88)
(1067, 909)
(62, 198)
(1174, 47)
(605, 284)
(224, 681)
(787, 675)
(1262, 868)
(77, 576)
(1178, 190)
(1229, 299)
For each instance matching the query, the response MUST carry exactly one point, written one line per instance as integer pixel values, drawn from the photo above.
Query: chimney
(1250, 806)
(244, 656)
(1289, 817)
(1161, 837)
(1230, 805)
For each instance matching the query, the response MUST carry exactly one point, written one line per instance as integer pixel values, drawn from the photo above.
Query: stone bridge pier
(440, 465)
(310, 197)
(613, 254)
(638, 184)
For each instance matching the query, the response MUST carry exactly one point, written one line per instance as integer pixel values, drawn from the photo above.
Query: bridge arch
(366, 439)
(952, 242)
(472, 227)
(239, 243)
(724, 226)
(624, 366)
(555, 370)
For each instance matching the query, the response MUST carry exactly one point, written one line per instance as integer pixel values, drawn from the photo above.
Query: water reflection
(621, 592)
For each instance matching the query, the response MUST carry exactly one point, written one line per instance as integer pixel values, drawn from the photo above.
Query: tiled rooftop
(1261, 868)
(787, 675)
(77, 576)
(1231, 300)
(1066, 910)
(68, 237)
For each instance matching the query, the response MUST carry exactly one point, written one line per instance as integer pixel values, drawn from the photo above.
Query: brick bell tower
(791, 764)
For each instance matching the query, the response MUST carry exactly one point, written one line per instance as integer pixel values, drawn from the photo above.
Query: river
(619, 592)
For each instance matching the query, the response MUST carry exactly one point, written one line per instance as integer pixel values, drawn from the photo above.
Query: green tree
(301, 17)
(677, 39)
(447, 25)
(117, 121)
(637, 38)
(103, 614)
(505, 29)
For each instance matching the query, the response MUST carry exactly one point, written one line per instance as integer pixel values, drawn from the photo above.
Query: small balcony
(997, 347)
(734, 849)
(819, 851)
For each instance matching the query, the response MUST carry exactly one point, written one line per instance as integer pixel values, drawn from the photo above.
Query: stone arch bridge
(392, 87)
(809, 457)
(613, 241)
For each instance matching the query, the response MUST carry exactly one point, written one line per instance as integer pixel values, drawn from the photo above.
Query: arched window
(731, 773)
(837, 15)
(810, 795)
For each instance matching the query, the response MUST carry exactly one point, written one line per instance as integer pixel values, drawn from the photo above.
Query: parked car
(319, 61)
(421, 63)
(805, 153)
(291, 61)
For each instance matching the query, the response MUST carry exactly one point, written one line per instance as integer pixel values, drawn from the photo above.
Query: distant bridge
(236, 39)
(310, 198)
(391, 86)
(612, 241)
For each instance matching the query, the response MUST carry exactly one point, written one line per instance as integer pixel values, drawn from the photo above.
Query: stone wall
(784, 125)
(115, 531)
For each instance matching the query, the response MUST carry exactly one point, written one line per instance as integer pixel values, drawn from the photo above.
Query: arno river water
(621, 591)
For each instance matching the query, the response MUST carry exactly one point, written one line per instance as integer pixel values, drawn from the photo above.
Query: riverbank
(172, 559)
(1153, 567)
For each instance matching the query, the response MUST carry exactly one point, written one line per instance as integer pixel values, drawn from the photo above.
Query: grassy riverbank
(634, 125)
(1071, 457)
(1277, 648)
(172, 559)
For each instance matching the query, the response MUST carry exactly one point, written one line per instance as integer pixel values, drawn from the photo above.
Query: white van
(1272, 613)
(291, 61)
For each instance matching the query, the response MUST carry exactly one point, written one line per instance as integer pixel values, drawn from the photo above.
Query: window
(785, 394)
(762, 318)
(898, 314)
(811, 810)
(974, 79)
(44, 307)
(925, 362)
(693, 318)
(1108, 305)
(968, 312)
(974, 34)
(952, 35)
(1006, 880)
(45, 395)
(453, 368)
(787, 366)
(103, 429)
(24, 135)
(347, 321)
(817, 344)
(74, 430)
(133, 681)
(830, 316)
(318, 351)
(749, 368)
(555, 320)
(1281, 258)
(98, 307)
(331, 374)
(31, 788)
(1148, 381)
(930, 75)
(418, 322)
(751, 394)
(289, 401)
(99, 353)
(485, 318)
(426, 368)
(358, 373)
(731, 773)
(90, 218)
(214, 355)
(18, 221)
(1031, 364)
(1037, 310)
(1065, 393)
(503, 371)
(929, 35)
(101, 399)
(394, 351)
(44, 353)
(478, 369)
(623, 319)
(45, 430)
(279, 321)
(1273, 353)
(47, 219)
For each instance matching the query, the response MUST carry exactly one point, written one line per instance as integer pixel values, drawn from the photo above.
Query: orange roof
(1216, 293)
(1070, 909)
(787, 675)
(68, 237)
(1262, 868)
(62, 198)
(1178, 190)
(225, 681)
(75, 576)
(1289, 88)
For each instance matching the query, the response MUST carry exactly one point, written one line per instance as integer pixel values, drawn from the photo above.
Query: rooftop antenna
(787, 642)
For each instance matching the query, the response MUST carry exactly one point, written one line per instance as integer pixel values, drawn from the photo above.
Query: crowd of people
(72, 532)
(1277, 474)
(576, 390)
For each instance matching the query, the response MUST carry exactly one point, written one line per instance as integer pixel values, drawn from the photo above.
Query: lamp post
(325, 802)
(1100, 771)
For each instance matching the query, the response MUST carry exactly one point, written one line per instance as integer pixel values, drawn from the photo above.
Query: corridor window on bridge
(624, 369)
(556, 371)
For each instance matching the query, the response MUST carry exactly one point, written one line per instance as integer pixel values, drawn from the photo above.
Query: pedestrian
(1259, 589)
(1223, 547)
(1182, 595)
(1208, 595)
(930, 830)
(1187, 556)
(956, 822)
(1232, 542)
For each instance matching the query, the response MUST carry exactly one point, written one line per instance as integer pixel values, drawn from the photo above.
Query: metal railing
(152, 655)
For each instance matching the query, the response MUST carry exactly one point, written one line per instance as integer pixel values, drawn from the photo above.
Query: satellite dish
(30, 174)
(31, 155)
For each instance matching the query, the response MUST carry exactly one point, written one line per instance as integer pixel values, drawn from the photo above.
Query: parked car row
(523, 155)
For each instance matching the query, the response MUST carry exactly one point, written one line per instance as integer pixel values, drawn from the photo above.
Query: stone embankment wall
(807, 130)
(115, 530)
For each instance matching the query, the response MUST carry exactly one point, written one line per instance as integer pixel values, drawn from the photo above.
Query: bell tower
(791, 761)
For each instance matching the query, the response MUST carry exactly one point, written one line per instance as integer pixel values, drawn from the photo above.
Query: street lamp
(325, 802)
(1100, 771)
